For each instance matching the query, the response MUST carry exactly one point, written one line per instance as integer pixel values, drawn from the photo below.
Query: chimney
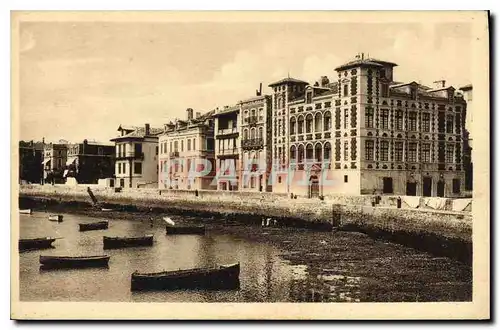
(198, 115)
(362, 56)
(146, 129)
(324, 81)
(259, 91)
(189, 114)
(439, 84)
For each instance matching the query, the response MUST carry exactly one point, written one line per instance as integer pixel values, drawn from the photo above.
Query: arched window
(300, 125)
(293, 154)
(318, 150)
(309, 152)
(327, 151)
(245, 134)
(252, 133)
(317, 123)
(261, 114)
(300, 154)
(309, 123)
(245, 116)
(292, 125)
(261, 133)
(327, 121)
(253, 113)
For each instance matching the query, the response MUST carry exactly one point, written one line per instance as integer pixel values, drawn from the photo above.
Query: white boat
(106, 210)
(169, 221)
(56, 217)
(26, 211)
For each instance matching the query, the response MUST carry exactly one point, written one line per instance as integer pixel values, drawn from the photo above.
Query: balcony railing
(252, 144)
(173, 154)
(226, 152)
(252, 120)
(130, 155)
(225, 131)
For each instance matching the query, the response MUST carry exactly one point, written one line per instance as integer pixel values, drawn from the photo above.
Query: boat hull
(186, 230)
(36, 243)
(57, 218)
(217, 278)
(123, 242)
(93, 226)
(28, 211)
(53, 262)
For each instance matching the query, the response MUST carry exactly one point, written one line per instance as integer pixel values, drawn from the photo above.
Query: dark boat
(56, 217)
(50, 262)
(185, 230)
(119, 242)
(35, 243)
(93, 225)
(222, 277)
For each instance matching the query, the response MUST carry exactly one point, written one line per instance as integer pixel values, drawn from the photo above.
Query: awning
(65, 173)
(46, 161)
(71, 160)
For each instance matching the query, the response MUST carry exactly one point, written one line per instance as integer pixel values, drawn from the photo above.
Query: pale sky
(82, 80)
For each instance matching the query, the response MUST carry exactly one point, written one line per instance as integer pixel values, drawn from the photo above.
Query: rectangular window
(346, 178)
(384, 151)
(346, 92)
(189, 145)
(385, 90)
(182, 145)
(119, 168)
(176, 146)
(346, 151)
(137, 168)
(412, 152)
(346, 118)
(449, 153)
(449, 124)
(156, 150)
(426, 153)
(456, 186)
(161, 148)
(384, 118)
(171, 146)
(412, 121)
(426, 122)
(369, 150)
(369, 118)
(194, 144)
(137, 149)
(398, 151)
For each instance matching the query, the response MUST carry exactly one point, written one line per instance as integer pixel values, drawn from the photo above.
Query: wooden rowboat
(222, 277)
(26, 211)
(51, 262)
(56, 217)
(186, 230)
(93, 225)
(35, 243)
(121, 242)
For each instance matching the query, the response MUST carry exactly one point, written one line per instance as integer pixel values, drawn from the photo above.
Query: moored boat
(26, 211)
(185, 230)
(106, 210)
(120, 242)
(93, 225)
(56, 217)
(74, 262)
(221, 277)
(35, 243)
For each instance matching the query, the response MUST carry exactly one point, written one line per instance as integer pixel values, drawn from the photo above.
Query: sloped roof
(364, 62)
(288, 80)
(139, 132)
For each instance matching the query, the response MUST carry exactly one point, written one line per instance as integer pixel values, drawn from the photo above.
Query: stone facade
(186, 159)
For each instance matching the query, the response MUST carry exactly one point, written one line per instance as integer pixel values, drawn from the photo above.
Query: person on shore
(268, 222)
(263, 222)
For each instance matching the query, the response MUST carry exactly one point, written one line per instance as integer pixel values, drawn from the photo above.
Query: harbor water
(267, 273)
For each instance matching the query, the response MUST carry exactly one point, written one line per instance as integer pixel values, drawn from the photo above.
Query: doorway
(313, 187)
(427, 187)
(411, 189)
(387, 186)
(440, 189)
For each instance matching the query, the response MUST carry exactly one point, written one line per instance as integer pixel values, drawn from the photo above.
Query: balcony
(227, 132)
(130, 155)
(252, 120)
(225, 153)
(250, 144)
(173, 154)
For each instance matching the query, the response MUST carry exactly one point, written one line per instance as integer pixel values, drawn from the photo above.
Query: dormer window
(309, 97)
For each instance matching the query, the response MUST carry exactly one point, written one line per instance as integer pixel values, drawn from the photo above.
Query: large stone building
(89, 161)
(187, 153)
(469, 137)
(54, 162)
(365, 133)
(31, 161)
(136, 159)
